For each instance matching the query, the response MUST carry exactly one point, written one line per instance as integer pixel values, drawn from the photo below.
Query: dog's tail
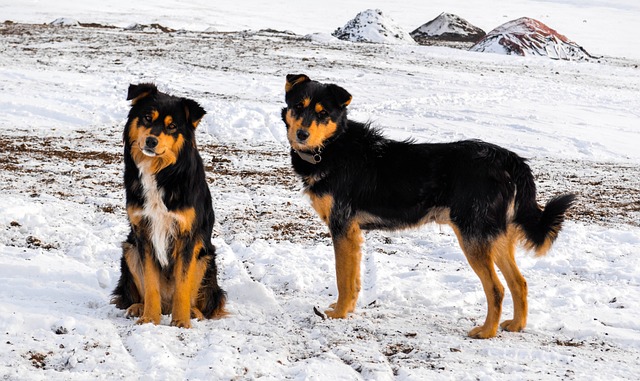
(212, 298)
(126, 293)
(539, 227)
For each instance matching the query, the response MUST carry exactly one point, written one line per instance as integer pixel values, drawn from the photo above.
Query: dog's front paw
(482, 332)
(334, 313)
(181, 323)
(148, 319)
(512, 325)
(196, 314)
(135, 310)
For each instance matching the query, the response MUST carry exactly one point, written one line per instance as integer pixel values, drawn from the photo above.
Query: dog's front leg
(346, 244)
(152, 308)
(184, 273)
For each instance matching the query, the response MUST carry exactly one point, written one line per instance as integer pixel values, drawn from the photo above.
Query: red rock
(528, 37)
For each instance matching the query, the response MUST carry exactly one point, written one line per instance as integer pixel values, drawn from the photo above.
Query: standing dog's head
(315, 111)
(160, 126)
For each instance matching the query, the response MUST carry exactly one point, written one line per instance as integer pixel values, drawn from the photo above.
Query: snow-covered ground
(62, 100)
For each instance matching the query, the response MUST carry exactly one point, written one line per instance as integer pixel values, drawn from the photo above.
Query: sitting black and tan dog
(168, 261)
(359, 180)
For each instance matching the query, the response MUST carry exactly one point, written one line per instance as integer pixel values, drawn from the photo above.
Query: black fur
(401, 181)
(358, 179)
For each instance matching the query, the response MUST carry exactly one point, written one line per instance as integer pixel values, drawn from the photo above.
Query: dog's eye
(299, 106)
(147, 118)
(323, 114)
(172, 127)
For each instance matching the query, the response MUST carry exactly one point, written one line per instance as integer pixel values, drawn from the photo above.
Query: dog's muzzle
(150, 145)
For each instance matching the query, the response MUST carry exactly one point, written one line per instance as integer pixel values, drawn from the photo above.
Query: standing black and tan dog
(357, 179)
(168, 261)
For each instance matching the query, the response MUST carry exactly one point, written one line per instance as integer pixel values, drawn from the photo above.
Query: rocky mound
(447, 27)
(64, 21)
(373, 26)
(149, 28)
(528, 37)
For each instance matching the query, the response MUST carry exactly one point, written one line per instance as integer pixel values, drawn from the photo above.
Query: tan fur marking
(154, 115)
(186, 286)
(318, 132)
(185, 218)
(503, 252)
(289, 85)
(134, 131)
(197, 314)
(546, 246)
(132, 258)
(167, 150)
(481, 261)
(322, 205)
(152, 299)
(319, 107)
(135, 214)
(348, 257)
(136, 99)
(347, 102)
(168, 120)
(439, 215)
(135, 310)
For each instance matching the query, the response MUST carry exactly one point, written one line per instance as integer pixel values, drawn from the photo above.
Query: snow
(62, 218)
(602, 27)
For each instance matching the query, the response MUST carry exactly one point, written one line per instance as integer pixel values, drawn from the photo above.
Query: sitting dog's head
(159, 126)
(315, 111)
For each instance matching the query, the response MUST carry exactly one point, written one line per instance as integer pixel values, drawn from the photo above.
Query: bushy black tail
(126, 293)
(540, 226)
(212, 298)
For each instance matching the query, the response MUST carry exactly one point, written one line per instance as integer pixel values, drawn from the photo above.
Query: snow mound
(149, 28)
(64, 21)
(373, 26)
(447, 27)
(528, 37)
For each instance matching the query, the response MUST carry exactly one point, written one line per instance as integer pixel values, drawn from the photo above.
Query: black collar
(313, 157)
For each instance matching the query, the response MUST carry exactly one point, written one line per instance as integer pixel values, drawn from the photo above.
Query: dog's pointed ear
(294, 79)
(194, 111)
(341, 95)
(139, 91)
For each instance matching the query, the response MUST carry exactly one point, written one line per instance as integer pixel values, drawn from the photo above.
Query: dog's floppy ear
(139, 91)
(194, 111)
(341, 95)
(294, 79)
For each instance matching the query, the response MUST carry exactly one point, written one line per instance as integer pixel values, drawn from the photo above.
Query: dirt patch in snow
(71, 168)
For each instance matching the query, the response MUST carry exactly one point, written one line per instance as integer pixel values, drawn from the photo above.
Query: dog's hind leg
(127, 294)
(504, 256)
(348, 256)
(482, 264)
(479, 256)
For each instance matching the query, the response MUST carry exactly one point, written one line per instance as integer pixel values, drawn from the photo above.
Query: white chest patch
(161, 221)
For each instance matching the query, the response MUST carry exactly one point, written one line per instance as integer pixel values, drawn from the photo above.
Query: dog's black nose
(151, 142)
(302, 135)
